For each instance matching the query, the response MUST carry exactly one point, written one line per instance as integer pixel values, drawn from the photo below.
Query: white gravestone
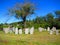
(26, 30)
(13, 29)
(54, 29)
(40, 29)
(44, 29)
(51, 32)
(32, 30)
(48, 29)
(6, 30)
(20, 31)
(16, 30)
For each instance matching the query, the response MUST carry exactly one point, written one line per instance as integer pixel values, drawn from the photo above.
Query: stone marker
(40, 29)
(20, 31)
(32, 30)
(54, 29)
(13, 29)
(44, 29)
(10, 31)
(51, 32)
(26, 30)
(6, 30)
(16, 30)
(48, 29)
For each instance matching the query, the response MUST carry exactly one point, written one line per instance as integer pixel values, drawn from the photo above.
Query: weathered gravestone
(40, 29)
(20, 31)
(44, 29)
(26, 30)
(48, 29)
(51, 32)
(6, 30)
(54, 29)
(13, 29)
(16, 30)
(32, 30)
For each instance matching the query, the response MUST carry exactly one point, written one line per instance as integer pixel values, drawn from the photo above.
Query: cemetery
(29, 22)
(29, 36)
(15, 30)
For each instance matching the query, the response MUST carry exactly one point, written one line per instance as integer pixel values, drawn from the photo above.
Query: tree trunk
(24, 22)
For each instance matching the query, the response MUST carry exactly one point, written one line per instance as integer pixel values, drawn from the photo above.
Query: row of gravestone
(51, 31)
(30, 30)
(16, 31)
(54, 30)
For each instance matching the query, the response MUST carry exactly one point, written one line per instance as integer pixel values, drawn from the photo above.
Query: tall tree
(22, 11)
(58, 14)
(50, 19)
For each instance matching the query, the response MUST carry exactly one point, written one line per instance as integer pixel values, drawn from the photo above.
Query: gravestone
(6, 30)
(13, 29)
(54, 29)
(40, 29)
(26, 30)
(32, 30)
(48, 29)
(44, 29)
(51, 32)
(20, 31)
(16, 30)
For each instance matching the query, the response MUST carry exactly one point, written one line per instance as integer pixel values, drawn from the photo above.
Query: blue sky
(43, 7)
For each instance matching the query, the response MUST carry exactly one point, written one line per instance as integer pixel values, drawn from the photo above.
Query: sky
(43, 8)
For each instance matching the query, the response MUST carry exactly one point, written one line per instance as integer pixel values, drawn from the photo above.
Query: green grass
(38, 38)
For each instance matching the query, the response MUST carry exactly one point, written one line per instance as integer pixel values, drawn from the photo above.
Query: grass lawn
(38, 38)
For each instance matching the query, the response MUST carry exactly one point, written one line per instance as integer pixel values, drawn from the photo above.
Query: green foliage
(46, 21)
(22, 11)
(1, 25)
(58, 14)
(5, 26)
(36, 26)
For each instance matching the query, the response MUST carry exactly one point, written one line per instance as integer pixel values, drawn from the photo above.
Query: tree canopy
(22, 11)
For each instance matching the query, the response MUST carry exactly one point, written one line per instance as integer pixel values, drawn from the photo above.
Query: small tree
(50, 19)
(58, 14)
(22, 11)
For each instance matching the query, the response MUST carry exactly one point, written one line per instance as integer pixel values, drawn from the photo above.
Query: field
(38, 38)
